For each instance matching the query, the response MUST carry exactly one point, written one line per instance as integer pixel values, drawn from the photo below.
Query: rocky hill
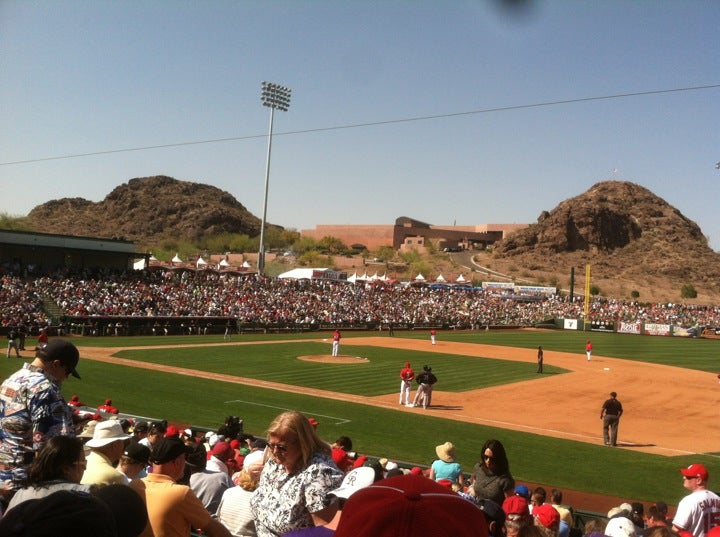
(146, 210)
(632, 239)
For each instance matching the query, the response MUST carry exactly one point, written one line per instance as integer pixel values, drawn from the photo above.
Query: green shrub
(688, 291)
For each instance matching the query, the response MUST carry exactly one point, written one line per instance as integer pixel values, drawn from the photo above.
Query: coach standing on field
(610, 414)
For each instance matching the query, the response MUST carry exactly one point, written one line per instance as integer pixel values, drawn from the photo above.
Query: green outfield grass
(404, 436)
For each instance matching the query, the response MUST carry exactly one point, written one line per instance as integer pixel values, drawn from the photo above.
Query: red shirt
(407, 373)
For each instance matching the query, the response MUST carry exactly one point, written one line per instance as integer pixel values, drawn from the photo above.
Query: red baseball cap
(547, 515)
(410, 506)
(695, 470)
(516, 505)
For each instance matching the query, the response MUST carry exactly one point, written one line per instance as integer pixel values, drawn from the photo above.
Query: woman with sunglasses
(491, 476)
(296, 479)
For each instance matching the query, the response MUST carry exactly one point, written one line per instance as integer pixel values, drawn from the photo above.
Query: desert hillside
(632, 239)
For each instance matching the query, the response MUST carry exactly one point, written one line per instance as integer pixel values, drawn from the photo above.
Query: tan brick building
(409, 233)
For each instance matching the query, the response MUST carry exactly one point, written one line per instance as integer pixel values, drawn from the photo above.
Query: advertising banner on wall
(625, 327)
(602, 326)
(653, 329)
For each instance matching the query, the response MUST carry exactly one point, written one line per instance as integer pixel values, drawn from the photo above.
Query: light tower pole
(274, 96)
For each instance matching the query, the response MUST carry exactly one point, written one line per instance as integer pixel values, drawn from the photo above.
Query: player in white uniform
(699, 511)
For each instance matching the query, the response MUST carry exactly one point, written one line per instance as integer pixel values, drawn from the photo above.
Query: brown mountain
(631, 238)
(147, 210)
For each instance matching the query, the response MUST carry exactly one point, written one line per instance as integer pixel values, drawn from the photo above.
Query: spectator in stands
(140, 431)
(491, 476)
(173, 509)
(155, 433)
(657, 515)
(537, 497)
(33, 410)
(208, 485)
(595, 526)
(701, 505)
(547, 519)
(494, 517)
(296, 479)
(107, 446)
(88, 432)
(234, 510)
(221, 454)
(342, 453)
(410, 505)
(355, 480)
(59, 465)
(127, 507)
(637, 515)
(566, 515)
(620, 526)
(64, 512)
(445, 466)
(134, 461)
(517, 515)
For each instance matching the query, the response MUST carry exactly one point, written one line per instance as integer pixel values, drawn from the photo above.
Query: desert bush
(688, 291)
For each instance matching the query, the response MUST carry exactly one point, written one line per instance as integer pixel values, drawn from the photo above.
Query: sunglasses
(282, 448)
(488, 457)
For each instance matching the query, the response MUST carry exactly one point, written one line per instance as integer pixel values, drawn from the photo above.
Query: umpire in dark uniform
(610, 414)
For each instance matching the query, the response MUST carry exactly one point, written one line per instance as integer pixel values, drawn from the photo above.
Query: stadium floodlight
(275, 97)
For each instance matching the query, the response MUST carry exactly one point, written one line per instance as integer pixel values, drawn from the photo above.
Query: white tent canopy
(246, 264)
(420, 278)
(177, 259)
(460, 278)
(224, 263)
(201, 261)
(300, 273)
(440, 278)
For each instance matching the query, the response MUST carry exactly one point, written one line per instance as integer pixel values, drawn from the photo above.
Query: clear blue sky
(99, 76)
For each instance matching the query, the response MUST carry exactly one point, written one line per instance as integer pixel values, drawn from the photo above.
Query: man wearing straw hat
(107, 446)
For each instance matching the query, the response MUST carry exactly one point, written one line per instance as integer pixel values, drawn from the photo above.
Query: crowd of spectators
(263, 301)
(291, 483)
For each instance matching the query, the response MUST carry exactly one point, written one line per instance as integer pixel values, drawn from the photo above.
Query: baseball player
(433, 334)
(336, 342)
(588, 349)
(406, 377)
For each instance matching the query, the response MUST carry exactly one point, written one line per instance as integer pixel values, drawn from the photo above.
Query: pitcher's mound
(328, 359)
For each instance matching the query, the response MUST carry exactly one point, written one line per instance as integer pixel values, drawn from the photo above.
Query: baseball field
(487, 388)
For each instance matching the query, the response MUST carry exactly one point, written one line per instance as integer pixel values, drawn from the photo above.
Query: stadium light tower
(275, 97)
